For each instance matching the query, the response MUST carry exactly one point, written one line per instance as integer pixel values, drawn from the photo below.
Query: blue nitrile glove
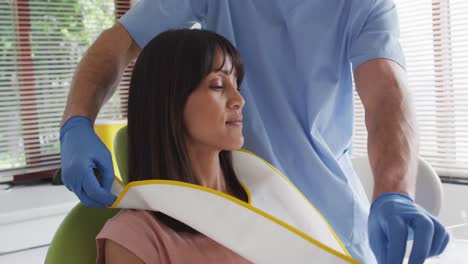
(81, 151)
(392, 216)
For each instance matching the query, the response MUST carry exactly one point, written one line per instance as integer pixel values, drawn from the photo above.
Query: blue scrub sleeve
(379, 36)
(148, 18)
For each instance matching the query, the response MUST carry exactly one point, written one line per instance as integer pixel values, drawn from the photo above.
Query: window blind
(434, 37)
(41, 43)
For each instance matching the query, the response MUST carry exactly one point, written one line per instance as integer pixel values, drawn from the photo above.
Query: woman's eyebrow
(226, 72)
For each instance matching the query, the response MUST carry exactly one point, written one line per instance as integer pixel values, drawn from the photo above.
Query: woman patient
(184, 117)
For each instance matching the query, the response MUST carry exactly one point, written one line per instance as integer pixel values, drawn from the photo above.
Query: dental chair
(74, 241)
(428, 194)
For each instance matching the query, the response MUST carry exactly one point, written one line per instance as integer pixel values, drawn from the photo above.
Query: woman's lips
(235, 123)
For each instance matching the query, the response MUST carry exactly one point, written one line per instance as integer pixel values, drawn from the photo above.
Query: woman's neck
(207, 169)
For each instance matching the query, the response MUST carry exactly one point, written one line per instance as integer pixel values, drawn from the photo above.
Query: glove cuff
(73, 122)
(390, 196)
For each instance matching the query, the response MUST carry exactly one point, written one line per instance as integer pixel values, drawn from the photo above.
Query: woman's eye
(217, 87)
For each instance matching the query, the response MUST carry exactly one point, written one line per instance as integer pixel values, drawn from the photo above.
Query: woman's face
(213, 112)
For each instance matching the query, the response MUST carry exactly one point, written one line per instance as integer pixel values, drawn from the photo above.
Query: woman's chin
(235, 144)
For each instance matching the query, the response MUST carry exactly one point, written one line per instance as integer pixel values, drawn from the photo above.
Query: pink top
(153, 242)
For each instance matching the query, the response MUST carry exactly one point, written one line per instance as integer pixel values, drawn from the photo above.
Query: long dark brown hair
(167, 71)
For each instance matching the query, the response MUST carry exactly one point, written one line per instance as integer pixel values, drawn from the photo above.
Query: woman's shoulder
(149, 238)
(134, 215)
(141, 222)
(135, 230)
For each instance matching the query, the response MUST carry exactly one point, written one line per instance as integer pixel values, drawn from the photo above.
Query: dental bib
(277, 225)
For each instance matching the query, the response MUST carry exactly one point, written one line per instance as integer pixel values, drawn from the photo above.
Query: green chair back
(74, 241)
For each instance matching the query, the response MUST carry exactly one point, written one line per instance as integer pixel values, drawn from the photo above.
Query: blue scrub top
(299, 56)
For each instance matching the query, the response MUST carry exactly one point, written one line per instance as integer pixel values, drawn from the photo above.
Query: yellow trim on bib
(248, 205)
(295, 188)
(247, 191)
(239, 202)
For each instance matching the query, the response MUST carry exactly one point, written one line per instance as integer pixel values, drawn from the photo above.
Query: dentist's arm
(98, 74)
(393, 147)
(391, 125)
(94, 82)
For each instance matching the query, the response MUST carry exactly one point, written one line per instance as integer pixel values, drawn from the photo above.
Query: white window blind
(41, 43)
(434, 37)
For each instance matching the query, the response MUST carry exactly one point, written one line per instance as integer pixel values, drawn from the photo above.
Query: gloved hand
(392, 216)
(81, 151)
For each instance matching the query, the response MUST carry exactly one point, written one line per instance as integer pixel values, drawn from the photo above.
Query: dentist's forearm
(98, 74)
(393, 143)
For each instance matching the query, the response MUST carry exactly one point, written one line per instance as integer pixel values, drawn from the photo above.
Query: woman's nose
(237, 100)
